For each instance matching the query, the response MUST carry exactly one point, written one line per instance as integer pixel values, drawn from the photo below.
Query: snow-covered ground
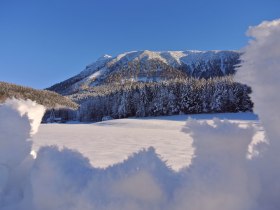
(109, 142)
(220, 173)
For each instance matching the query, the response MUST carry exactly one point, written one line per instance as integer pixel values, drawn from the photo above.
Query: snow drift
(19, 120)
(260, 70)
(220, 176)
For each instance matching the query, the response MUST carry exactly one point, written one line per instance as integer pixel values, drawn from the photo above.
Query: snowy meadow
(164, 163)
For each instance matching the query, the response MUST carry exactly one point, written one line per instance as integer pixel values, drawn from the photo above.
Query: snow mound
(220, 174)
(19, 120)
(260, 70)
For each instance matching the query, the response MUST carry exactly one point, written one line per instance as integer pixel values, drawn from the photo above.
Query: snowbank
(260, 70)
(18, 121)
(220, 176)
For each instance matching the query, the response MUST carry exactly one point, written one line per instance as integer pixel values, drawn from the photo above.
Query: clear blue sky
(46, 41)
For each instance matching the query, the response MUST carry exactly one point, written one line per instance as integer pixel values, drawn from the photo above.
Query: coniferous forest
(171, 97)
(47, 98)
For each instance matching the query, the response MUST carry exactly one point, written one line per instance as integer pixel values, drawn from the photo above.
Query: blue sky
(46, 41)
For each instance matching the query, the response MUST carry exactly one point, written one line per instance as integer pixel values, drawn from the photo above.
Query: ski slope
(109, 142)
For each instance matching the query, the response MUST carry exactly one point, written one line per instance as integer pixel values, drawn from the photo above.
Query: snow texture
(220, 175)
(260, 70)
(19, 120)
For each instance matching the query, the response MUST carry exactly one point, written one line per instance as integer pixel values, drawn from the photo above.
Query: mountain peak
(104, 57)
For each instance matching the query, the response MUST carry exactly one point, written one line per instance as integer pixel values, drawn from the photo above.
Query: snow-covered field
(109, 142)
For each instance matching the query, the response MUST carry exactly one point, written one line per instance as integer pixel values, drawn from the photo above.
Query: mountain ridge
(147, 66)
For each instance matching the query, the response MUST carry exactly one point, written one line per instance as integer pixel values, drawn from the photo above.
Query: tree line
(179, 96)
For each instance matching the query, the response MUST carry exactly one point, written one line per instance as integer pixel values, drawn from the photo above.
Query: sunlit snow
(109, 142)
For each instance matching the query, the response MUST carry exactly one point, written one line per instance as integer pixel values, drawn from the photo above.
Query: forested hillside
(170, 97)
(47, 98)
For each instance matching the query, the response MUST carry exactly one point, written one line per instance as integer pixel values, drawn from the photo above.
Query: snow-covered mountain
(151, 66)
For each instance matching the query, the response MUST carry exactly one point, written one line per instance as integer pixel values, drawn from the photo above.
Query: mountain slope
(47, 98)
(150, 66)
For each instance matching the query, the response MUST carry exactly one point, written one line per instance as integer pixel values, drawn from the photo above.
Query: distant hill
(151, 66)
(44, 97)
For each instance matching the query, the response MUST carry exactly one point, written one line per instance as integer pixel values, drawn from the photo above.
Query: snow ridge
(172, 58)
